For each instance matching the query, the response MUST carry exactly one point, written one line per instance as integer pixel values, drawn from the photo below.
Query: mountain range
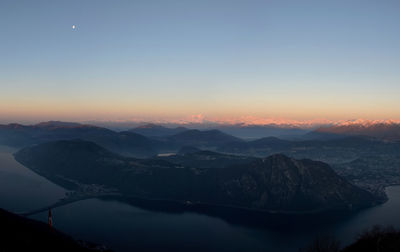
(355, 156)
(338, 148)
(127, 143)
(154, 130)
(274, 184)
(386, 131)
(289, 130)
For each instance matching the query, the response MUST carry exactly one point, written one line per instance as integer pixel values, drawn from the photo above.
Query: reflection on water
(21, 189)
(124, 227)
(385, 214)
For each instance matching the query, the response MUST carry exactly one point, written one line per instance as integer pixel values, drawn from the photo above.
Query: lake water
(21, 189)
(124, 227)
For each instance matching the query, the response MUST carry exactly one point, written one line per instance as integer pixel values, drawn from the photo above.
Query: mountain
(153, 130)
(16, 135)
(187, 149)
(21, 234)
(376, 238)
(259, 147)
(58, 124)
(22, 135)
(206, 159)
(373, 172)
(273, 184)
(380, 130)
(322, 136)
(202, 139)
(331, 151)
(369, 163)
(260, 131)
(127, 143)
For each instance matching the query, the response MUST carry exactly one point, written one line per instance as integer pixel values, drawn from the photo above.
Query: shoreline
(231, 214)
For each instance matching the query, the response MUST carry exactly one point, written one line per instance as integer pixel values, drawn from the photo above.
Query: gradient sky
(212, 59)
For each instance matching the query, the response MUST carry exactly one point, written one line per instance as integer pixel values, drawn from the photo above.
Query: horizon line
(200, 120)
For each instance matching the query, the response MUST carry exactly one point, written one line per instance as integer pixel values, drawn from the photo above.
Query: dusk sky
(193, 60)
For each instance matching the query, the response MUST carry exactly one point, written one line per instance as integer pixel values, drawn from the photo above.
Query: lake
(124, 227)
(21, 189)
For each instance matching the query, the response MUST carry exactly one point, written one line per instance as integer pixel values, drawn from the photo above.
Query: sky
(187, 60)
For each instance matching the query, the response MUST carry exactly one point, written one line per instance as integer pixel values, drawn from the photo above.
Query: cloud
(196, 118)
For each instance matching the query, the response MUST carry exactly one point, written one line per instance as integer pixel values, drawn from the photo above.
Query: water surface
(124, 227)
(21, 189)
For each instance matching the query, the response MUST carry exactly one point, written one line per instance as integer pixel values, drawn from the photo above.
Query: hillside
(206, 159)
(381, 130)
(127, 143)
(276, 183)
(21, 234)
(259, 131)
(205, 138)
(377, 238)
(331, 151)
(154, 130)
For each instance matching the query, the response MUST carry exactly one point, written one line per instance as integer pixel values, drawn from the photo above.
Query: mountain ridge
(273, 184)
(381, 130)
(155, 130)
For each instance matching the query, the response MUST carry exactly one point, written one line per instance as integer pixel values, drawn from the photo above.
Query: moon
(73, 27)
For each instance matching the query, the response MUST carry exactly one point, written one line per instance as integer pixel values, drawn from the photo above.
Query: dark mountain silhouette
(322, 136)
(153, 130)
(377, 238)
(276, 183)
(260, 131)
(202, 139)
(188, 149)
(21, 234)
(367, 162)
(330, 151)
(271, 142)
(127, 143)
(340, 152)
(59, 124)
(385, 131)
(207, 159)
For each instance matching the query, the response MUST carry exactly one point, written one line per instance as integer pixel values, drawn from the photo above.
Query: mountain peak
(366, 123)
(60, 124)
(12, 126)
(150, 126)
(277, 183)
(387, 130)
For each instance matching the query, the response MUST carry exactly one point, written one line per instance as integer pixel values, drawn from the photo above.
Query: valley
(212, 174)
